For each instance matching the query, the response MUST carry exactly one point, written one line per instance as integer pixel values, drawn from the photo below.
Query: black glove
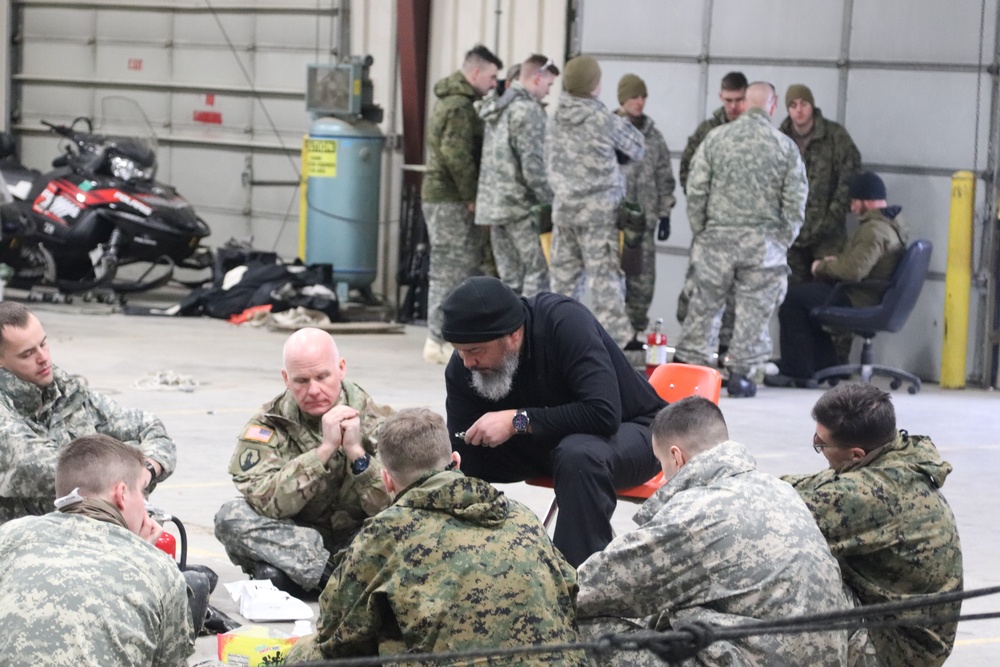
(663, 230)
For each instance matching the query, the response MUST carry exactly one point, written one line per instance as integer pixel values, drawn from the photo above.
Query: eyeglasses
(819, 445)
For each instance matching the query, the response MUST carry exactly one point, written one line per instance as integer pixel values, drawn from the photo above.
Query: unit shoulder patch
(249, 459)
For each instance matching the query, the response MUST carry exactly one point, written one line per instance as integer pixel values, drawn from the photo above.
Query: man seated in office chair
(871, 255)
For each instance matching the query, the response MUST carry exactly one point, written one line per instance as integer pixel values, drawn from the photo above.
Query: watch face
(520, 422)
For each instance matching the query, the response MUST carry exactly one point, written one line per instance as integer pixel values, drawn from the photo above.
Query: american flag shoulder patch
(258, 434)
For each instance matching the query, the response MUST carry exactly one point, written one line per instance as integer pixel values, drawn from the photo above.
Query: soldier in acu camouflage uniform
(650, 181)
(832, 161)
(452, 565)
(720, 543)
(84, 585)
(455, 145)
(881, 509)
(583, 149)
(305, 491)
(746, 197)
(42, 408)
(512, 177)
(733, 95)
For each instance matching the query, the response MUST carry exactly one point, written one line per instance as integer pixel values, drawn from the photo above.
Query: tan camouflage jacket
(78, 591)
(512, 176)
(581, 162)
(832, 161)
(717, 118)
(36, 423)
(453, 564)
(454, 143)
(276, 469)
(650, 181)
(748, 174)
(895, 537)
(722, 543)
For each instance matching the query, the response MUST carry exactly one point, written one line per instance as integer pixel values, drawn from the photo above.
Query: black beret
(481, 309)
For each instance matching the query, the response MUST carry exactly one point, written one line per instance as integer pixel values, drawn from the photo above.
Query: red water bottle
(656, 348)
(168, 543)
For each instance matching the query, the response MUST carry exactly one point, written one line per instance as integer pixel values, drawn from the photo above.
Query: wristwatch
(520, 422)
(152, 477)
(360, 464)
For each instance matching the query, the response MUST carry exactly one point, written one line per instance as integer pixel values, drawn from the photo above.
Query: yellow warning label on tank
(321, 158)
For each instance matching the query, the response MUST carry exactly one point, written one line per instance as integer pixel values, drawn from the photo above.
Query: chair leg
(836, 372)
(898, 377)
(551, 514)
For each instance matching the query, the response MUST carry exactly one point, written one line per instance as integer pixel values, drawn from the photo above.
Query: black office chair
(900, 297)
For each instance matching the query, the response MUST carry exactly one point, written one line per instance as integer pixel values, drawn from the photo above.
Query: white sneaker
(437, 353)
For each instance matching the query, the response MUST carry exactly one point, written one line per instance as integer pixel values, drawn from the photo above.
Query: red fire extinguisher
(656, 348)
(168, 543)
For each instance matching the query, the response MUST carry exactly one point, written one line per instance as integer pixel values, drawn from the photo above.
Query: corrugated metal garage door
(222, 82)
(907, 79)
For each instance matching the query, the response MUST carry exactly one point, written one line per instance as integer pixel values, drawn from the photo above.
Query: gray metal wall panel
(143, 27)
(776, 28)
(891, 115)
(920, 32)
(72, 59)
(203, 29)
(131, 62)
(59, 23)
(643, 27)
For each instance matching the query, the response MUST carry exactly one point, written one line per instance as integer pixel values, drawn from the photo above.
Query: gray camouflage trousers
(519, 259)
(728, 315)
(589, 255)
(455, 255)
(250, 538)
(592, 629)
(752, 266)
(639, 287)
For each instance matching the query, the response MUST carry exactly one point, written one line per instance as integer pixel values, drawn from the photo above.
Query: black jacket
(572, 378)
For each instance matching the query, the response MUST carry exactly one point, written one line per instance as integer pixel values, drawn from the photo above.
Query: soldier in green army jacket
(832, 161)
(880, 507)
(43, 408)
(452, 564)
(305, 491)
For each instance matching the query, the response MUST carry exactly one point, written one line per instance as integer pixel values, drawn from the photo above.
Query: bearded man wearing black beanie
(538, 388)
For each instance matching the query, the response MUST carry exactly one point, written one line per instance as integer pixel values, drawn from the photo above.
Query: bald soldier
(305, 490)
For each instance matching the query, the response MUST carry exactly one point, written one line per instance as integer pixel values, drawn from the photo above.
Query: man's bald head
(308, 342)
(761, 95)
(313, 370)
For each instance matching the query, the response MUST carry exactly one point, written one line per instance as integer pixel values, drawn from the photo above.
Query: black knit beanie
(481, 309)
(867, 186)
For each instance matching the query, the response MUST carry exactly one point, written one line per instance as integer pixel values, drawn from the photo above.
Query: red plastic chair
(672, 382)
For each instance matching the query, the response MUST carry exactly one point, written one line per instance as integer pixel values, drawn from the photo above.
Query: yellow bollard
(303, 197)
(958, 281)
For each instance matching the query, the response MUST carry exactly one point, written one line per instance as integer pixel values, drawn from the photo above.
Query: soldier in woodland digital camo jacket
(832, 161)
(451, 565)
(880, 506)
(448, 194)
(43, 408)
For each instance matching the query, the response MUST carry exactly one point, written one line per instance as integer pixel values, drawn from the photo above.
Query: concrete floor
(237, 369)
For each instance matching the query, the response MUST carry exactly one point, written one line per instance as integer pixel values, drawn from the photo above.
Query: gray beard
(496, 384)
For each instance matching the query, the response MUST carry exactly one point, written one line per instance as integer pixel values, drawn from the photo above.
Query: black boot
(740, 386)
(217, 622)
(197, 592)
(281, 581)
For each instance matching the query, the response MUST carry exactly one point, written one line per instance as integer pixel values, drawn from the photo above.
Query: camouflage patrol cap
(479, 310)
